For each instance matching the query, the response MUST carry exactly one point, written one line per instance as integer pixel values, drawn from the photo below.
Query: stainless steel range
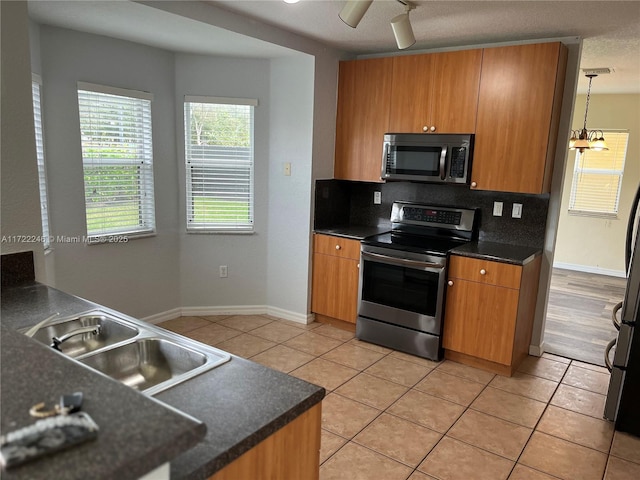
(402, 277)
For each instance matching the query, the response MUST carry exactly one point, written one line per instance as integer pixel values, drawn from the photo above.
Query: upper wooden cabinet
(364, 89)
(518, 113)
(435, 93)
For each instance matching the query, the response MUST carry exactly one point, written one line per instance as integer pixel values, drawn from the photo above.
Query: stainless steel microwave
(440, 158)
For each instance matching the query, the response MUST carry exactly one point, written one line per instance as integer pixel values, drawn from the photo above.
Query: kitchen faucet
(57, 341)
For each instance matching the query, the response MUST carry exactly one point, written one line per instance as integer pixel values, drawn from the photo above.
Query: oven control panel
(426, 215)
(450, 218)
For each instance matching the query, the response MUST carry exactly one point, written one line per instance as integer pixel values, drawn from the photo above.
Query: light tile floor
(388, 415)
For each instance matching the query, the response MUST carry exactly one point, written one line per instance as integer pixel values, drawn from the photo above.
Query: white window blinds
(36, 85)
(597, 177)
(219, 163)
(117, 158)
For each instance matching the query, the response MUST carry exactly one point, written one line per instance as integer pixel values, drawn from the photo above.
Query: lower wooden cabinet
(489, 312)
(335, 277)
(291, 453)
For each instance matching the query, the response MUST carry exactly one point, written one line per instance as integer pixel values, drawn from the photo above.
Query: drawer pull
(450, 283)
(338, 247)
(483, 272)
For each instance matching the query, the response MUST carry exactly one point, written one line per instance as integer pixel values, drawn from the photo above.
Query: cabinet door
(411, 97)
(435, 93)
(456, 83)
(517, 119)
(485, 271)
(480, 320)
(335, 287)
(364, 88)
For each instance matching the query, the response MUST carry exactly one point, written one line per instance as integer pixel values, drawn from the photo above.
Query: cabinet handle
(474, 184)
(433, 128)
(425, 128)
(338, 247)
(450, 283)
(483, 272)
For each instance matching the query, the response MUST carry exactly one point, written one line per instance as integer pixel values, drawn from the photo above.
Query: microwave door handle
(385, 156)
(443, 161)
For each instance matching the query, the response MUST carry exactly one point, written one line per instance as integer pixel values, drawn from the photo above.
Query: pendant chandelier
(584, 139)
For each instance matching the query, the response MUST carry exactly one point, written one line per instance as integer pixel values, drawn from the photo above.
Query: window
(597, 178)
(219, 164)
(115, 128)
(36, 85)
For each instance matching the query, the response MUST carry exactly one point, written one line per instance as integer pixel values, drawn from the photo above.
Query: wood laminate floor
(578, 324)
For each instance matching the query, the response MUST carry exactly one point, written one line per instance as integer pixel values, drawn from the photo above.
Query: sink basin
(147, 363)
(111, 332)
(138, 354)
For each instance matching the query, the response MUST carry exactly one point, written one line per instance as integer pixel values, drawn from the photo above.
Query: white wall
(592, 243)
(291, 141)
(245, 255)
(140, 277)
(20, 195)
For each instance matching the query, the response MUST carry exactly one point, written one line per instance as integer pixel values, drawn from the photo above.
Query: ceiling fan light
(402, 30)
(353, 11)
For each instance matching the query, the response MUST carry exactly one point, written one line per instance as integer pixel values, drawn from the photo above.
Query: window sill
(117, 238)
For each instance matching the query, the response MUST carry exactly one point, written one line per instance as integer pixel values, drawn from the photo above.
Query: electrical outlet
(497, 209)
(377, 198)
(516, 211)
(223, 271)
(287, 169)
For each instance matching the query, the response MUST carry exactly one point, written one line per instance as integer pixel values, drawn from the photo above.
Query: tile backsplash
(341, 202)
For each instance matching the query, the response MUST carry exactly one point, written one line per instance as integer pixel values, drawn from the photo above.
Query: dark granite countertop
(499, 252)
(137, 433)
(240, 402)
(355, 232)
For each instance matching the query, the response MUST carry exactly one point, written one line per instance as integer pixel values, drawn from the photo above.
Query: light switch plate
(287, 169)
(516, 211)
(497, 209)
(377, 198)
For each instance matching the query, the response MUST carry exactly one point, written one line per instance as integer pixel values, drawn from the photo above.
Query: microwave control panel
(458, 160)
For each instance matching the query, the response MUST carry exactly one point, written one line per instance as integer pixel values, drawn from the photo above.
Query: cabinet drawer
(485, 271)
(336, 246)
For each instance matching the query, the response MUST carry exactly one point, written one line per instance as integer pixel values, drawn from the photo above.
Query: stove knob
(337, 247)
(483, 272)
(450, 283)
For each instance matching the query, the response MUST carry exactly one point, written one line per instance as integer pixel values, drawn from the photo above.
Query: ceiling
(611, 29)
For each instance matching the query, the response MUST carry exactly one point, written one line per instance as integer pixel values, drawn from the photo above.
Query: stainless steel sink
(140, 355)
(147, 363)
(110, 332)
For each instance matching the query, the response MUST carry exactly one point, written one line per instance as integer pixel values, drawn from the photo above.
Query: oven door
(402, 288)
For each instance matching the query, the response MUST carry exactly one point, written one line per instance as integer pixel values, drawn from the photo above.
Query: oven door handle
(404, 262)
(443, 162)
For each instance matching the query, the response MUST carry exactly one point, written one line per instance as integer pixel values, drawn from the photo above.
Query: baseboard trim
(163, 316)
(589, 269)
(536, 350)
(229, 310)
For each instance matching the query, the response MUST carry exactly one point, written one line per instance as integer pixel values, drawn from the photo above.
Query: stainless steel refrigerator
(623, 397)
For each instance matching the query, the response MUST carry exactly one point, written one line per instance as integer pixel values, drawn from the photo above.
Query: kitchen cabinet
(335, 277)
(291, 453)
(489, 312)
(519, 106)
(435, 92)
(364, 89)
